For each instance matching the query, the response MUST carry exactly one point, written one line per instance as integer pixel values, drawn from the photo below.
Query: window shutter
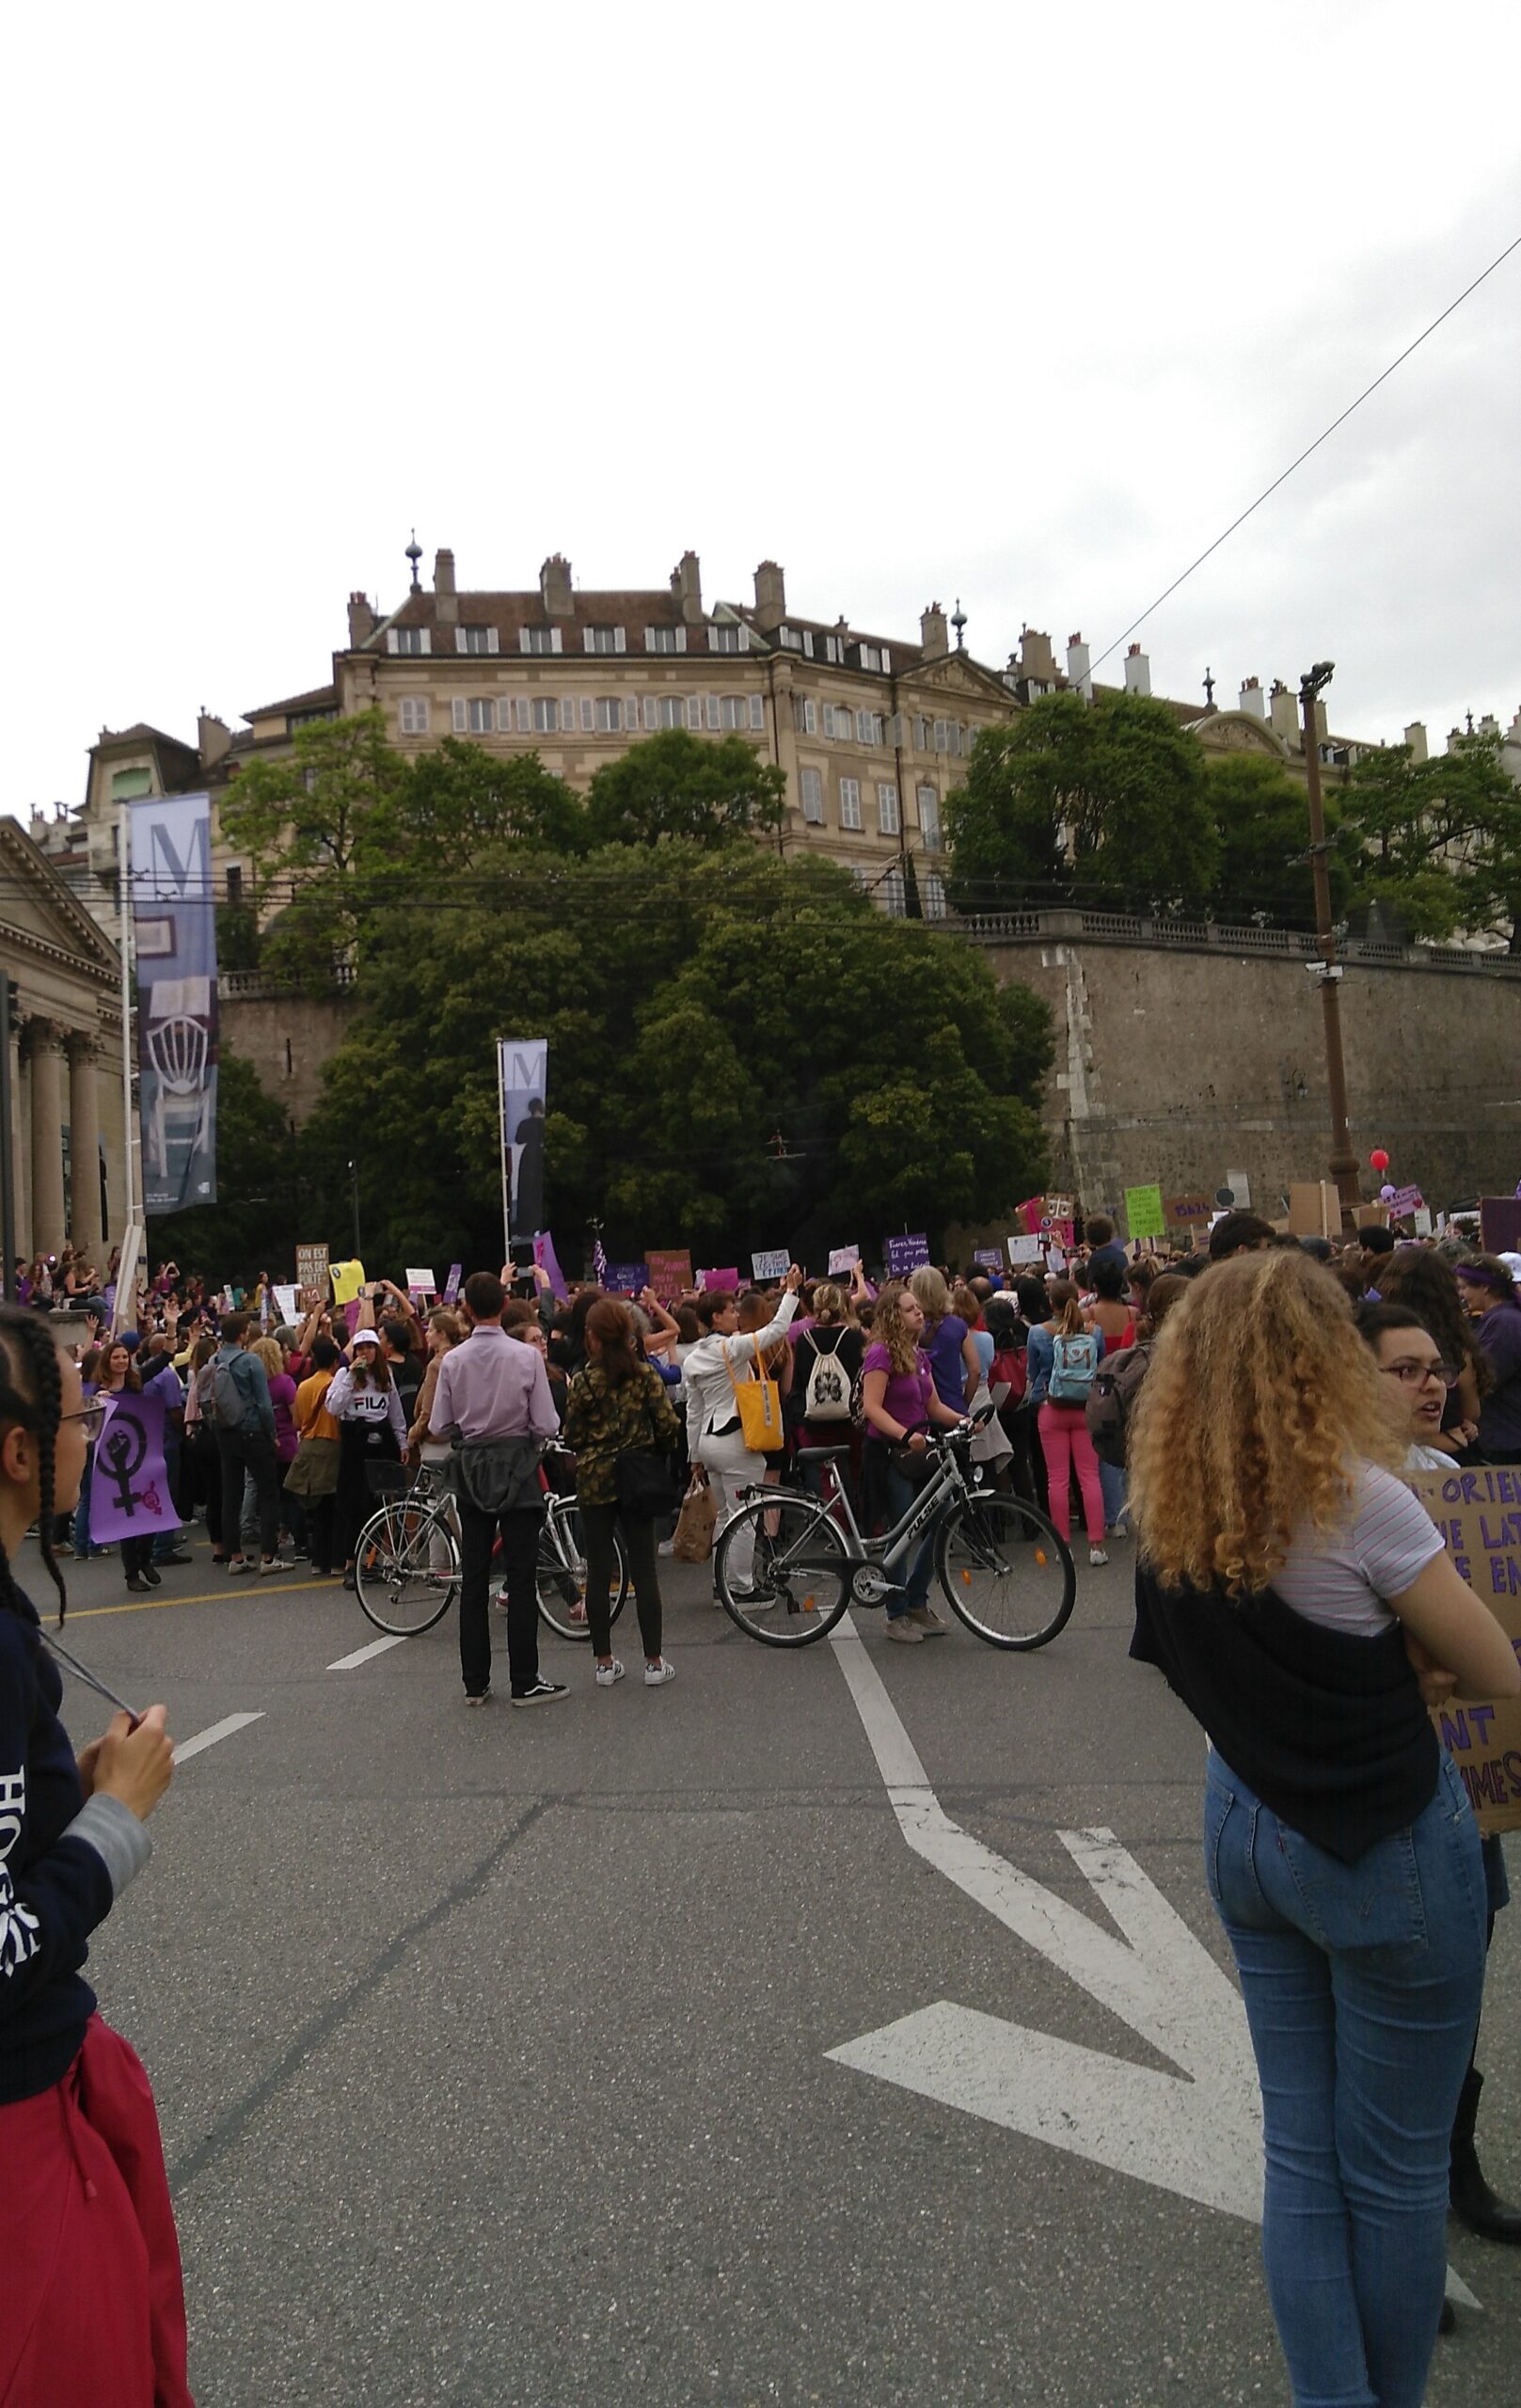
(694, 710)
(522, 711)
(461, 711)
(392, 640)
(652, 711)
(887, 662)
(426, 634)
(620, 640)
(713, 711)
(649, 638)
(555, 645)
(681, 639)
(758, 710)
(744, 637)
(588, 715)
(523, 644)
(588, 645)
(493, 640)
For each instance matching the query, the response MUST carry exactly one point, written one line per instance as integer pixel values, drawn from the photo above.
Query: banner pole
(123, 840)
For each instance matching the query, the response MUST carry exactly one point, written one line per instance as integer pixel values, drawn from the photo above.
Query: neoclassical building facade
(65, 1138)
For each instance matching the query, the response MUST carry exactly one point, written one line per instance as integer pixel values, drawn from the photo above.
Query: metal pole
(1343, 1162)
(506, 1162)
(7, 1161)
(354, 1198)
(123, 857)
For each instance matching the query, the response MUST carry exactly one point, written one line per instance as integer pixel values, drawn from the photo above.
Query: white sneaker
(608, 1675)
(667, 1546)
(656, 1675)
(1097, 1556)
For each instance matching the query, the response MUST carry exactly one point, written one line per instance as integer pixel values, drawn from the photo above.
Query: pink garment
(1066, 1444)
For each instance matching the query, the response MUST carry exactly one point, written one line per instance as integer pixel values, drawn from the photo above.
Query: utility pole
(1343, 1162)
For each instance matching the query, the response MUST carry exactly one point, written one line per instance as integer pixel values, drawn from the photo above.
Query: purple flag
(599, 1264)
(451, 1283)
(129, 1482)
(546, 1258)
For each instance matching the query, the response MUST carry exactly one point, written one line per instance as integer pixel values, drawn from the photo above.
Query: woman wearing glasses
(94, 2307)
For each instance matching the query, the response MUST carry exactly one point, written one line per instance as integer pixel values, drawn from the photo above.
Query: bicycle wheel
(801, 1574)
(562, 1574)
(1006, 1574)
(405, 1568)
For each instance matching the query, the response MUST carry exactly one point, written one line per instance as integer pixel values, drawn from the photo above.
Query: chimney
(771, 596)
(687, 582)
(362, 621)
(1137, 672)
(446, 601)
(934, 635)
(1252, 698)
(1078, 672)
(554, 587)
(1284, 713)
(1489, 725)
(1037, 659)
(214, 738)
(1415, 735)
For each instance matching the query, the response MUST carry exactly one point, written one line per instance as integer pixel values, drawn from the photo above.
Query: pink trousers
(1066, 1444)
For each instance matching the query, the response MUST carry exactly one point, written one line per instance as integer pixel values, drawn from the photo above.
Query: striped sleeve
(1393, 1537)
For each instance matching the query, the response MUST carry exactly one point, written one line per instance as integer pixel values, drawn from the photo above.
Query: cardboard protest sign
(546, 1258)
(419, 1282)
(312, 1268)
(1144, 1214)
(1030, 1213)
(669, 1272)
(286, 1304)
(129, 1482)
(1186, 1211)
(1479, 1514)
(712, 1281)
(348, 1278)
(1314, 1208)
(1024, 1249)
(625, 1278)
(904, 1254)
(1058, 1232)
(772, 1265)
(451, 1283)
(844, 1258)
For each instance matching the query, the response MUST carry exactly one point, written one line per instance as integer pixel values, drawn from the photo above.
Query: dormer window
(665, 638)
(731, 637)
(539, 640)
(833, 650)
(605, 640)
(876, 655)
(414, 640)
(476, 639)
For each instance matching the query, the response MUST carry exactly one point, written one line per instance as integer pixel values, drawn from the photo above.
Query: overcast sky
(983, 302)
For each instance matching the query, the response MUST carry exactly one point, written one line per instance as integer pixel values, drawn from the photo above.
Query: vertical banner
(174, 938)
(521, 1069)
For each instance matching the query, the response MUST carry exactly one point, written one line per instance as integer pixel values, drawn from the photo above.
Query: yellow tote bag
(758, 1404)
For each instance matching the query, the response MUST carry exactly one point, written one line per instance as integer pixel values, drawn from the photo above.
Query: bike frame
(894, 1544)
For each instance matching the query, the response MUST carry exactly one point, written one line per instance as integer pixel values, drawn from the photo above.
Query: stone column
(20, 1150)
(45, 1047)
(85, 1149)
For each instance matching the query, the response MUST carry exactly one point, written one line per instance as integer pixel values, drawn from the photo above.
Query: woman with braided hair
(94, 2306)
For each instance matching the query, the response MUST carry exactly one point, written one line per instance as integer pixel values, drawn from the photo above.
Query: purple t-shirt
(945, 1364)
(906, 1398)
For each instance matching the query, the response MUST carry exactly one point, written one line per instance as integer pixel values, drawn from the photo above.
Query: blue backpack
(1074, 1360)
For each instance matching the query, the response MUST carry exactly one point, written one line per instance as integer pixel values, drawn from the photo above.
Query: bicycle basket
(387, 1480)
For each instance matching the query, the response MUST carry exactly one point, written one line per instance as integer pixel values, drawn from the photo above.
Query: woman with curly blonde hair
(899, 1401)
(1297, 1599)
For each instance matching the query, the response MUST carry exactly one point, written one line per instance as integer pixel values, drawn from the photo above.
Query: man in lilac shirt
(490, 1390)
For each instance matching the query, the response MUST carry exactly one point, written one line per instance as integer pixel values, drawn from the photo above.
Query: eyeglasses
(1413, 1374)
(90, 1418)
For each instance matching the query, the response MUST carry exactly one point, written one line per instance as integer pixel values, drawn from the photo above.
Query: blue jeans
(914, 1583)
(1362, 1985)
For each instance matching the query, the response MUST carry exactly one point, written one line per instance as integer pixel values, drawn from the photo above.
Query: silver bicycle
(406, 1561)
(1004, 1571)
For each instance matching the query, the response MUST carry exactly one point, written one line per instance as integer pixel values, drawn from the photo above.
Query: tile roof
(314, 701)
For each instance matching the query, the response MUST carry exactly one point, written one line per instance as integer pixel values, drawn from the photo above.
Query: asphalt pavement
(756, 2040)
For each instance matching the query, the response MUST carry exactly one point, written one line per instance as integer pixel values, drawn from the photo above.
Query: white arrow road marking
(1198, 2132)
(209, 1737)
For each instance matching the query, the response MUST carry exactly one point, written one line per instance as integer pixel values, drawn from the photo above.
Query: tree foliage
(1261, 818)
(256, 1181)
(1438, 841)
(674, 784)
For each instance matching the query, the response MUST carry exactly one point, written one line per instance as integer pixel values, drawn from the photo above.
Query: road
(510, 2060)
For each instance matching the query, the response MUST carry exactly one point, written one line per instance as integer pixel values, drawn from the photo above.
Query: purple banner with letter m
(174, 939)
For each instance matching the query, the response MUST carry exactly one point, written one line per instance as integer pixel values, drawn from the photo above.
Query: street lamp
(1328, 971)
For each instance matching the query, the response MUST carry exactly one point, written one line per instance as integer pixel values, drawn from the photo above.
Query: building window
(128, 784)
(930, 818)
(892, 895)
(476, 639)
(235, 882)
(934, 895)
(833, 650)
(665, 638)
(409, 639)
(956, 735)
(921, 736)
(477, 717)
(869, 727)
(734, 711)
(876, 655)
(604, 640)
(887, 816)
(810, 792)
(805, 714)
(849, 803)
(728, 638)
(414, 715)
(789, 638)
(609, 715)
(941, 737)
(539, 640)
(694, 710)
(757, 713)
(546, 715)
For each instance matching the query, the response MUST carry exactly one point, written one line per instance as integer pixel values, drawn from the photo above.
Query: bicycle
(1004, 1572)
(407, 1559)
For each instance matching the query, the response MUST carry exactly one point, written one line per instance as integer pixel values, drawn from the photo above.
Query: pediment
(958, 674)
(1239, 732)
(39, 907)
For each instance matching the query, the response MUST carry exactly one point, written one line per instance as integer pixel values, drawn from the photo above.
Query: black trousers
(136, 1554)
(520, 1532)
(598, 1521)
(319, 1527)
(250, 1450)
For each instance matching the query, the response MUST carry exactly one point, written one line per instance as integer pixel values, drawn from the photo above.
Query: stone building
(65, 1138)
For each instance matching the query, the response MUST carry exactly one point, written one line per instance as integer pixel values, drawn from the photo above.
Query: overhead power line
(1320, 439)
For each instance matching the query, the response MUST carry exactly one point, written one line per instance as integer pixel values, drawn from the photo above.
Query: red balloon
(1378, 1159)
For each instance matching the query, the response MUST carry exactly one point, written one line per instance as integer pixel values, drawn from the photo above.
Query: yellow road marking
(213, 1597)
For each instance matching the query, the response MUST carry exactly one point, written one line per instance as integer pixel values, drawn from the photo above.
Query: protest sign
(1479, 1514)
(1404, 1201)
(129, 1482)
(1314, 1208)
(1030, 1213)
(286, 1304)
(546, 1258)
(904, 1254)
(625, 1278)
(1061, 1232)
(772, 1265)
(1186, 1211)
(988, 1258)
(451, 1283)
(348, 1278)
(844, 1258)
(312, 1268)
(418, 1283)
(1500, 1224)
(728, 1279)
(669, 1272)
(1060, 1208)
(1143, 1212)
(1024, 1249)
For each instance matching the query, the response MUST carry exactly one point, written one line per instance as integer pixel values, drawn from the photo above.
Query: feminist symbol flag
(129, 1480)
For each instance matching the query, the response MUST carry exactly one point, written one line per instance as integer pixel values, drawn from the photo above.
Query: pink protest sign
(128, 1484)
(715, 1279)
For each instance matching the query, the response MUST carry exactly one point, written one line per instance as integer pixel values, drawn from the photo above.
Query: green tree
(674, 784)
(458, 802)
(256, 1181)
(1262, 819)
(301, 821)
(1102, 803)
(1439, 841)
